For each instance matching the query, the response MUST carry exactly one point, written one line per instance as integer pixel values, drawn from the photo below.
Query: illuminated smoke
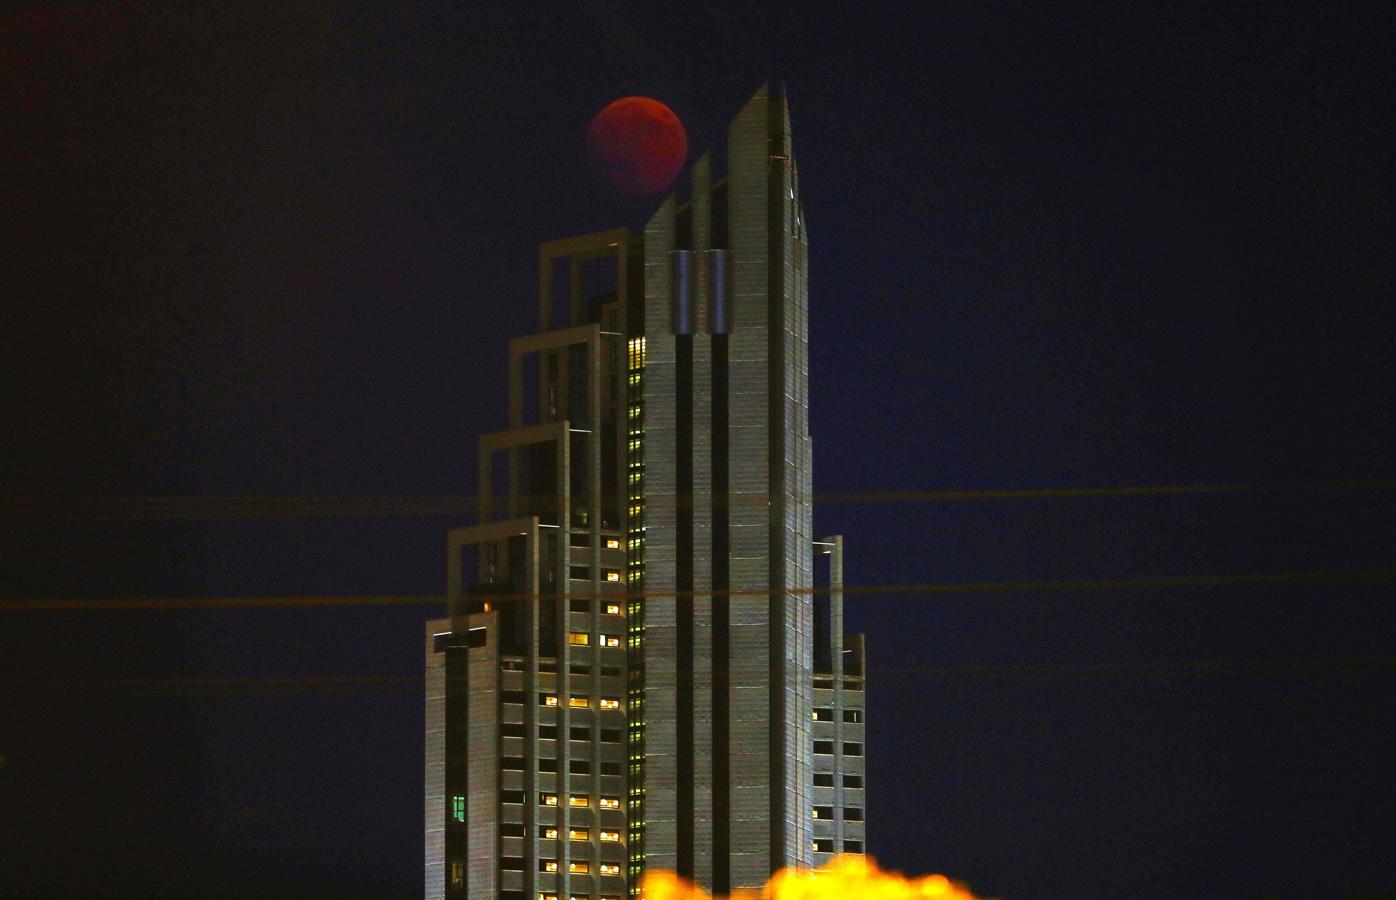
(845, 878)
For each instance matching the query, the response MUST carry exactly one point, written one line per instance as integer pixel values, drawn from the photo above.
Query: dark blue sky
(280, 252)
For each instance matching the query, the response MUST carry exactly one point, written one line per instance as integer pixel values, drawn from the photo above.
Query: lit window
(612, 543)
(610, 803)
(579, 868)
(547, 897)
(578, 702)
(458, 808)
(457, 874)
(823, 812)
(612, 609)
(610, 703)
(578, 834)
(823, 714)
(610, 640)
(576, 800)
(547, 699)
(578, 638)
(548, 832)
(612, 837)
(547, 865)
(609, 869)
(823, 845)
(613, 575)
(547, 800)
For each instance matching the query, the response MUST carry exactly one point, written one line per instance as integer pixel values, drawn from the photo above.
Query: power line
(212, 684)
(282, 684)
(1190, 668)
(213, 508)
(1255, 579)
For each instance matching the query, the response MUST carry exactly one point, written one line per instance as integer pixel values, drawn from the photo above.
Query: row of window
(850, 813)
(582, 605)
(826, 714)
(583, 639)
(575, 733)
(850, 748)
(575, 833)
(826, 779)
(583, 539)
(827, 684)
(577, 801)
(576, 867)
(549, 667)
(575, 766)
(583, 573)
(826, 845)
(573, 702)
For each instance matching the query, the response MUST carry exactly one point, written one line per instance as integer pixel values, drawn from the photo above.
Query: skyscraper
(637, 670)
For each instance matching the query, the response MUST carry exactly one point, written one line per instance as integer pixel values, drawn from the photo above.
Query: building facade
(638, 670)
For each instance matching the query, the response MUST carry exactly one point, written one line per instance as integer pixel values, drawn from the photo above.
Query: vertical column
(436, 807)
(749, 427)
(702, 511)
(660, 638)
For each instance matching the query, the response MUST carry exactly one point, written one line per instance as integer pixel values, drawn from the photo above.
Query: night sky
(279, 252)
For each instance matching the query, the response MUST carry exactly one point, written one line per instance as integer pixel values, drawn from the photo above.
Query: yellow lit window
(610, 640)
(549, 865)
(610, 836)
(547, 897)
(578, 638)
(578, 702)
(579, 868)
(610, 703)
(550, 832)
(578, 834)
(610, 803)
(610, 869)
(613, 575)
(576, 800)
(612, 609)
(548, 800)
(612, 543)
(550, 699)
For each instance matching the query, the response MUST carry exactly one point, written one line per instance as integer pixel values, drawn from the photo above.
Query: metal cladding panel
(749, 436)
(435, 811)
(482, 762)
(702, 369)
(660, 635)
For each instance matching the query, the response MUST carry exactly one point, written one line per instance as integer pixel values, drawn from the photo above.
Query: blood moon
(637, 145)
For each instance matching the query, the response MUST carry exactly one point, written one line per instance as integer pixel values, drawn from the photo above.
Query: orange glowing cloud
(845, 878)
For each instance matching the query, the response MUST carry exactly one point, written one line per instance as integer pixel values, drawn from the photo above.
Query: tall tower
(637, 670)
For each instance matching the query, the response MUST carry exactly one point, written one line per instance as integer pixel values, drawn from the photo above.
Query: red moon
(637, 146)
